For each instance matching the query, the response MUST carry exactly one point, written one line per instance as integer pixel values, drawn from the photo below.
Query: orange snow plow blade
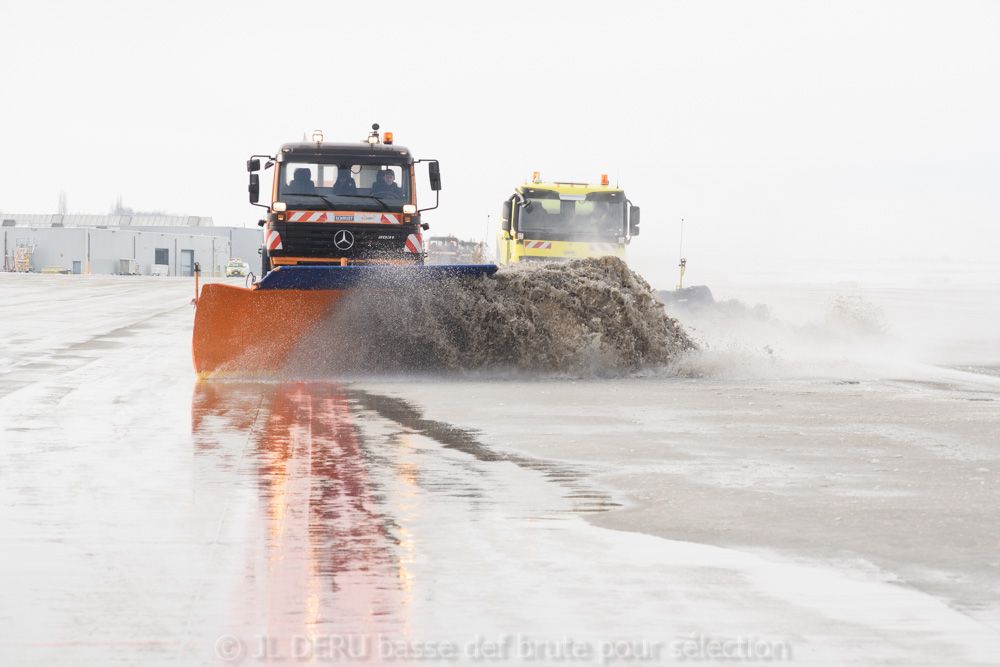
(240, 331)
(246, 331)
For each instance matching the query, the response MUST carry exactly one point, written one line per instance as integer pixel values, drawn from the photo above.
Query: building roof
(41, 220)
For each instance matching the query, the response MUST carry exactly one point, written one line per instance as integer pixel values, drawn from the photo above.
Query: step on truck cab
(341, 203)
(558, 221)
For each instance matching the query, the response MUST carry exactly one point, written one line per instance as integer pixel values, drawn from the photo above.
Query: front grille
(318, 239)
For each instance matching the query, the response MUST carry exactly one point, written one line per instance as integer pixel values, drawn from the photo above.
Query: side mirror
(505, 216)
(254, 188)
(527, 206)
(435, 172)
(633, 220)
(253, 165)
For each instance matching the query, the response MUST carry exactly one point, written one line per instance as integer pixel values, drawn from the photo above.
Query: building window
(162, 256)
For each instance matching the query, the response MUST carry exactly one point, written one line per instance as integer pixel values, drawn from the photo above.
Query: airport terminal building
(115, 244)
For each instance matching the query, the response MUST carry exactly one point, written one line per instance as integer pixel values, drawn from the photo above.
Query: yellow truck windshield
(584, 217)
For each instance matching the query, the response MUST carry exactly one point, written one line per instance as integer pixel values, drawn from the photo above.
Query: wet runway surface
(148, 518)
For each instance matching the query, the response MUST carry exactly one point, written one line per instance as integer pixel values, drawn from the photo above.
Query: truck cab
(342, 203)
(559, 221)
(467, 253)
(442, 250)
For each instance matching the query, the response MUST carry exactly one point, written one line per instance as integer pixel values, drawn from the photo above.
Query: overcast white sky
(777, 130)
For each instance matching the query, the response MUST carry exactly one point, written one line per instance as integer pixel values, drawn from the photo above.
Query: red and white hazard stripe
(414, 243)
(307, 216)
(603, 247)
(272, 241)
(345, 216)
(540, 245)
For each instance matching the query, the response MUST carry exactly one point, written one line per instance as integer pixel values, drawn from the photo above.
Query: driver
(385, 184)
(345, 184)
(601, 214)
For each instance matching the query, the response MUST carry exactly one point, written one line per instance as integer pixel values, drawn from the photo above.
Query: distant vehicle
(467, 252)
(442, 250)
(237, 267)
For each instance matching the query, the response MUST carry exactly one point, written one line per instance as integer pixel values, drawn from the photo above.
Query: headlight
(278, 207)
(409, 209)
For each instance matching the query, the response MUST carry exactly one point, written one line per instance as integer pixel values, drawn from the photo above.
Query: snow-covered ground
(817, 486)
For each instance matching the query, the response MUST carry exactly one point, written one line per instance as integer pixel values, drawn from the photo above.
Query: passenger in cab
(301, 183)
(345, 183)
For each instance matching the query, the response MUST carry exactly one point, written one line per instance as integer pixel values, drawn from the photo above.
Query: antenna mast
(680, 253)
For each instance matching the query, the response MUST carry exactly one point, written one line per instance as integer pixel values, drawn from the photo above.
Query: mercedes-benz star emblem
(343, 239)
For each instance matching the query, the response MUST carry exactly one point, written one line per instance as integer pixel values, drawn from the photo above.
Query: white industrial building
(148, 245)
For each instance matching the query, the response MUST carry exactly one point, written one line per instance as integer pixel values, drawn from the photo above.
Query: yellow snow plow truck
(556, 221)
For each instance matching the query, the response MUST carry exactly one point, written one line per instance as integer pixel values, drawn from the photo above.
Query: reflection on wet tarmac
(325, 559)
(340, 477)
(467, 441)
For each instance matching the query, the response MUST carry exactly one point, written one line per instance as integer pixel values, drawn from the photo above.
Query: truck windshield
(356, 187)
(592, 217)
(443, 245)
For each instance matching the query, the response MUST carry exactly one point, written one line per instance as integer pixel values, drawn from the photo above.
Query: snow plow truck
(558, 221)
(340, 217)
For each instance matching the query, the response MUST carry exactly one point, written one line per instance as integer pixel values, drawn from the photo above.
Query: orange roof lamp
(604, 179)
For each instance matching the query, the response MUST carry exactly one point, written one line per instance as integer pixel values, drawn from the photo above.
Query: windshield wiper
(384, 206)
(313, 194)
(332, 205)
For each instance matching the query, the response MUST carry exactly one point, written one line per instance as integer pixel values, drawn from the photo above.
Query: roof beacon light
(318, 136)
(387, 138)
(604, 179)
(535, 178)
(373, 135)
